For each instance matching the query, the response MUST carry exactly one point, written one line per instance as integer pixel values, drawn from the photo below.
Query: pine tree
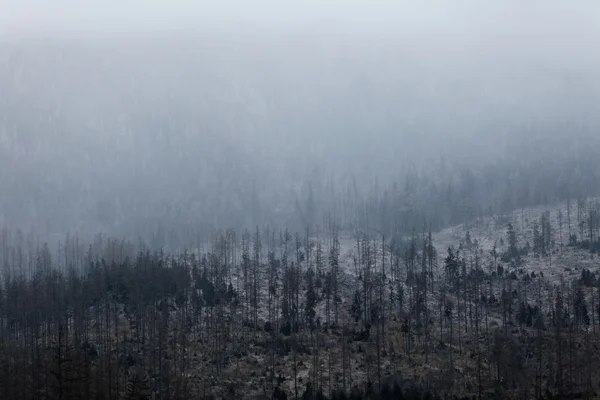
(356, 309)
(537, 240)
(452, 266)
(311, 299)
(334, 262)
(580, 310)
(513, 249)
(137, 385)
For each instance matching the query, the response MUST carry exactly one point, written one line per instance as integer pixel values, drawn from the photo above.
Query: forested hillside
(503, 306)
(299, 200)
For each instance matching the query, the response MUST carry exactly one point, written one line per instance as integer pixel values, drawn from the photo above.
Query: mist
(313, 199)
(116, 117)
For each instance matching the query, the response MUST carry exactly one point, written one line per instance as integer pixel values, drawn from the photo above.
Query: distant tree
(334, 264)
(468, 242)
(311, 298)
(356, 309)
(537, 240)
(580, 310)
(452, 266)
(547, 233)
(560, 218)
(513, 245)
(137, 385)
(448, 310)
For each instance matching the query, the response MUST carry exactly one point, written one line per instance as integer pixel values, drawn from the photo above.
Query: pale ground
(565, 263)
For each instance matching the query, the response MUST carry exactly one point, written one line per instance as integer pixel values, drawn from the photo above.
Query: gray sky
(537, 18)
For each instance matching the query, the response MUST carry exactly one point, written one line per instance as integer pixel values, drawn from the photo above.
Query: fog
(133, 117)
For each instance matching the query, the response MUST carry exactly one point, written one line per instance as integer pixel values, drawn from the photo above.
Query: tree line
(322, 313)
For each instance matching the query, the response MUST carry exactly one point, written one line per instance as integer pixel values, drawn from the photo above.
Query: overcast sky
(531, 17)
